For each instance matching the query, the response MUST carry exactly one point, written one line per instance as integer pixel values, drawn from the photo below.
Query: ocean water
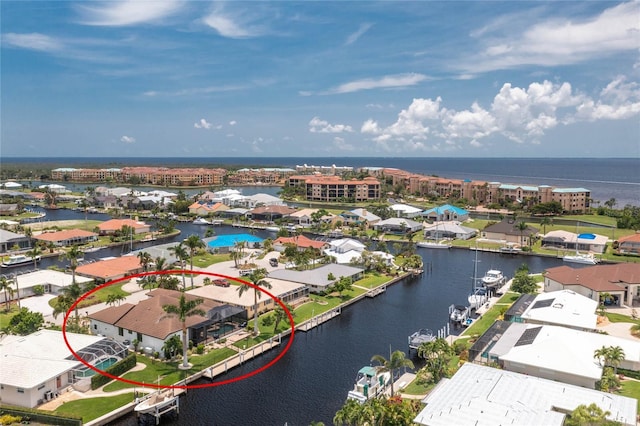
(606, 178)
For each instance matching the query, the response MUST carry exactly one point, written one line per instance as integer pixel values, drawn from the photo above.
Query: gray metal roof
(316, 277)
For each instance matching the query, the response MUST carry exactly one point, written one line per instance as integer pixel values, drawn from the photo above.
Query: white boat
(370, 383)
(201, 221)
(510, 249)
(584, 258)
(434, 244)
(157, 403)
(493, 278)
(272, 228)
(458, 314)
(18, 260)
(477, 298)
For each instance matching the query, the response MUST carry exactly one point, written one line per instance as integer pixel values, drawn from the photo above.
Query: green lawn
(509, 297)
(5, 316)
(92, 408)
(613, 317)
(416, 389)
(483, 324)
(168, 371)
(206, 259)
(631, 388)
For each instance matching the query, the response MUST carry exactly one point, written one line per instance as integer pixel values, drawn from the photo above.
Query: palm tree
(522, 226)
(183, 310)
(145, 260)
(257, 278)
(62, 304)
(280, 315)
(193, 243)
(73, 292)
(396, 361)
(616, 356)
(5, 285)
(180, 252)
(34, 254)
(544, 222)
(73, 254)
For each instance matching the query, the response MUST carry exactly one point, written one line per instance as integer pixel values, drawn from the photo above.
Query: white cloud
(237, 24)
(316, 125)
(233, 123)
(389, 81)
(127, 139)
(202, 124)
(355, 36)
(219, 126)
(556, 41)
(519, 114)
(33, 41)
(340, 144)
(195, 91)
(127, 12)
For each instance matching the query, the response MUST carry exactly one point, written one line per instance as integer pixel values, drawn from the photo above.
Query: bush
(38, 290)
(267, 321)
(8, 419)
(200, 348)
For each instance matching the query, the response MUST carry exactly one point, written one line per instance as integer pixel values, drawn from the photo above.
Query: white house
(450, 229)
(564, 308)
(559, 353)
(405, 210)
(566, 240)
(50, 280)
(397, 225)
(485, 396)
(317, 280)
(37, 367)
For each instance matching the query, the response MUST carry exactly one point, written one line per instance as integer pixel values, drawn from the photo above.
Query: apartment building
(334, 188)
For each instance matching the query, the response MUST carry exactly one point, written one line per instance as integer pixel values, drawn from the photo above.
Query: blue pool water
(102, 365)
(230, 240)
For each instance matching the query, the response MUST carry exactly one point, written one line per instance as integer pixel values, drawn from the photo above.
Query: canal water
(311, 381)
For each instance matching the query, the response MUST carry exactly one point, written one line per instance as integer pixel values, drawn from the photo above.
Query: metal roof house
(483, 396)
(317, 279)
(37, 367)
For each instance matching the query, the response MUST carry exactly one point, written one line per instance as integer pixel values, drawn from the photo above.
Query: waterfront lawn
(631, 388)
(418, 389)
(92, 408)
(481, 325)
(99, 296)
(168, 371)
(509, 297)
(372, 280)
(5, 316)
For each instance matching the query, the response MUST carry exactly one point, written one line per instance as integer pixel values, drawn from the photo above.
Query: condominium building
(334, 188)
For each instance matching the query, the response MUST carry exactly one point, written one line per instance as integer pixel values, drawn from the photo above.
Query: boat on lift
(371, 382)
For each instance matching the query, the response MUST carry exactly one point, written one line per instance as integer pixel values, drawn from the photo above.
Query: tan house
(204, 208)
(507, 231)
(67, 237)
(300, 241)
(112, 226)
(111, 269)
(621, 281)
(629, 244)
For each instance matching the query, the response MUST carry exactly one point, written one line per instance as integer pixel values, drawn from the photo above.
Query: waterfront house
(558, 353)
(303, 217)
(565, 308)
(51, 281)
(359, 217)
(110, 227)
(317, 280)
(289, 292)
(345, 250)
(39, 366)
(565, 240)
(480, 395)
(270, 213)
(10, 240)
(67, 237)
(149, 324)
(620, 281)
(507, 231)
(452, 230)
(8, 209)
(204, 208)
(300, 241)
(397, 225)
(111, 269)
(256, 200)
(629, 244)
(446, 213)
(404, 210)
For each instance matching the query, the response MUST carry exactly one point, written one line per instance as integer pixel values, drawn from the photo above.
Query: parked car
(221, 283)
(273, 261)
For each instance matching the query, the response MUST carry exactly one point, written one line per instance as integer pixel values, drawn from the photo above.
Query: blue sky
(320, 79)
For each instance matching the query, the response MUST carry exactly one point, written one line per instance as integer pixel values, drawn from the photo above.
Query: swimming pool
(102, 365)
(229, 240)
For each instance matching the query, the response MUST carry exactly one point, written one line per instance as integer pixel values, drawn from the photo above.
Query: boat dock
(158, 403)
(376, 291)
(318, 319)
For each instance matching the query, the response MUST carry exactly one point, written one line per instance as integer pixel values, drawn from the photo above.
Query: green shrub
(200, 349)
(38, 290)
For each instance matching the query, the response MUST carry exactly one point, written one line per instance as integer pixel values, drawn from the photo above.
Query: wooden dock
(318, 319)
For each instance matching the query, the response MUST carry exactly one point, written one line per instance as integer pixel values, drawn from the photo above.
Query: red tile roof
(633, 238)
(301, 241)
(116, 224)
(111, 268)
(64, 235)
(599, 278)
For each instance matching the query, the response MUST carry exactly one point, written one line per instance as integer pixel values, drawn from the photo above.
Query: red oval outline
(158, 386)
